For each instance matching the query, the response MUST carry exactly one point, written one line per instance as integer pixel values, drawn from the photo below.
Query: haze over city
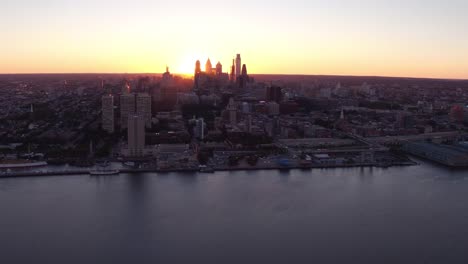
(369, 38)
(204, 131)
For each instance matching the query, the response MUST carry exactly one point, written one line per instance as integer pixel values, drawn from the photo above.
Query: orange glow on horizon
(315, 37)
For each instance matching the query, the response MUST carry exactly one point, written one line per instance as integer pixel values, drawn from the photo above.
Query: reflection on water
(363, 215)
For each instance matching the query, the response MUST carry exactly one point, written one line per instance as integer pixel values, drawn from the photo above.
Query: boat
(129, 164)
(206, 169)
(103, 172)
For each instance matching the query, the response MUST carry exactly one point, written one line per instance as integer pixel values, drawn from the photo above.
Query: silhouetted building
(167, 79)
(208, 67)
(219, 69)
(238, 65)
(243, 79)
(197, 67)
(232, 77)
(142, 85)
(211, 78)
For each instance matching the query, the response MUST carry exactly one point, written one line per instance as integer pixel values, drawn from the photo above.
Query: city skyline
(401, 39)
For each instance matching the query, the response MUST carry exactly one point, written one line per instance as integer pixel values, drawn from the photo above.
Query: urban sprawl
(217, 120)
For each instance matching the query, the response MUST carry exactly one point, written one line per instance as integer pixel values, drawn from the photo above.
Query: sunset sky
(419, 38)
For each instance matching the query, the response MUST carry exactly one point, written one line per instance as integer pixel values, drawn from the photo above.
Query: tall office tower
(196, 76)
(197, 67)
(232, 109)
(244, 78)
(233, 72)
(143, 107)
(219, 68)
(127, 108)
(238, 65)
(244, 70)
(136, 135)
(208, 67)
(108, 113)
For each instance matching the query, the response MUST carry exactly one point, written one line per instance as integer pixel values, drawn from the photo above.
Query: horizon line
(280, 74)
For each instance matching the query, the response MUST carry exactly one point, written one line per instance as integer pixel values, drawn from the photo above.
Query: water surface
(415, 214)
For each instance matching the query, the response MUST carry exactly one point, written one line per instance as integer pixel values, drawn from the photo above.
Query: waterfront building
(127, 108)
(131, 104)
(136, 135)
(143, 107)
(454, 156)
(108, 113)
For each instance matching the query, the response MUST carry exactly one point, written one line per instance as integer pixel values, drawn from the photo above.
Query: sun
(186, 64)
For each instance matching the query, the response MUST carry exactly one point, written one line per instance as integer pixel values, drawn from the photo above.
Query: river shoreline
(70, 172)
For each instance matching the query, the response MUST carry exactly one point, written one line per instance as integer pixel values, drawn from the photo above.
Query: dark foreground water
(396, 215)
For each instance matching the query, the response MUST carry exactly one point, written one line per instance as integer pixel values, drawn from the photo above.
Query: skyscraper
(108, 113)
(197, 67)
(219, 68)
(243, 79)
(233, 71)
(143, 107)
(238, 65)
(136, 135)
(208, 67)
(127, 108)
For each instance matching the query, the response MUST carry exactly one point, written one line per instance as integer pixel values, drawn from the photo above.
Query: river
(415, 214)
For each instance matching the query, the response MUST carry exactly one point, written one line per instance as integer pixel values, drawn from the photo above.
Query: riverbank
(70, 172)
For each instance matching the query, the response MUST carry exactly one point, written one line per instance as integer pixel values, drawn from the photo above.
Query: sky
(412, 38)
